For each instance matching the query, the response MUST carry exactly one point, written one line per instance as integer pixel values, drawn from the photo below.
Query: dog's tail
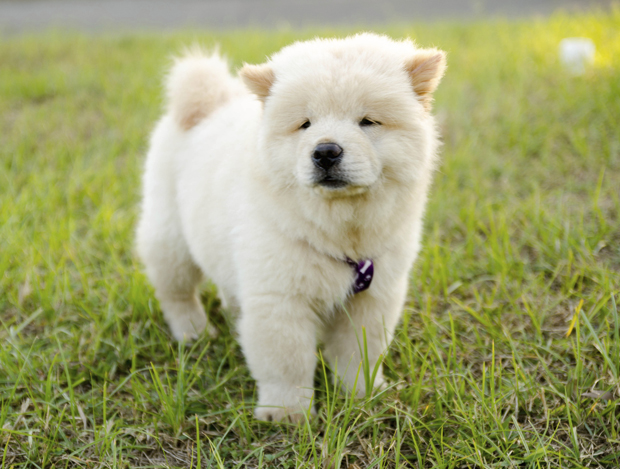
(197, 84)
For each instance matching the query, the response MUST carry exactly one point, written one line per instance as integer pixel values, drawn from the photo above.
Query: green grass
(522, 247)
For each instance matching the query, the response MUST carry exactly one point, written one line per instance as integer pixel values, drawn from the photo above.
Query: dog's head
(344, 116)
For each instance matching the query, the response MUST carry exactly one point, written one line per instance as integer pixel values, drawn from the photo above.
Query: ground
(509, 351)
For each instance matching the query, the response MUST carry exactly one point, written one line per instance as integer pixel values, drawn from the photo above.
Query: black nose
(326, 155)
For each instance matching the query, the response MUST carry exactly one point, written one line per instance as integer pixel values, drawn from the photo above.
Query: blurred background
(93, 15)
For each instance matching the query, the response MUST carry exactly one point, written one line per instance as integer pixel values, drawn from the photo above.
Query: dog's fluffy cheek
(301, 162)
(277, 160)
(362, 163)
(406, 156)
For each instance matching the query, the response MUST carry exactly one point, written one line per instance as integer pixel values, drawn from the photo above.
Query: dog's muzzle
(326, 159)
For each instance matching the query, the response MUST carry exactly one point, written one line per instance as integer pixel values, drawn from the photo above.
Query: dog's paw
(294, 415)
(190, 331)
(187, 320)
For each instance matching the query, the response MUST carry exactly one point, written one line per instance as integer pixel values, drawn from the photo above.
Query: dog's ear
(258, 78)
(425, 70)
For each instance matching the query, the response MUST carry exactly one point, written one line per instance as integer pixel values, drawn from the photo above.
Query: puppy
(299, 190)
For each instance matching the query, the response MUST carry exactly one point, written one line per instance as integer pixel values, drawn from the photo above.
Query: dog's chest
(329, 287)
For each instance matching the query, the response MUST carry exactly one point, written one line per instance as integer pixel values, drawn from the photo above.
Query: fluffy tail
(197, 84)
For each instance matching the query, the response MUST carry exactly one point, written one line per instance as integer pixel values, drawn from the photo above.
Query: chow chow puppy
(298, 188)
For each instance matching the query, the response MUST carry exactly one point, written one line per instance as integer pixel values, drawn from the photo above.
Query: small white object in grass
(576, 53)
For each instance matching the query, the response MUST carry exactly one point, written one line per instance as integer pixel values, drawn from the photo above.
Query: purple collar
(364, 271)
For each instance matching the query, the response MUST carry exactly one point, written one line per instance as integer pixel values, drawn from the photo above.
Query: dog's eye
(305, 125)
(365, 122)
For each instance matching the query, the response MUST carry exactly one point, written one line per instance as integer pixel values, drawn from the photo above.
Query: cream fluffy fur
(230, 192)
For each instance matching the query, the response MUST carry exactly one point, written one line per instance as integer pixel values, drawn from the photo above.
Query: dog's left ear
(425, 70)
(258, 78)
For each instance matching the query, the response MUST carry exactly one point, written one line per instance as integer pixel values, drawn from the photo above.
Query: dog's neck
(359, 227)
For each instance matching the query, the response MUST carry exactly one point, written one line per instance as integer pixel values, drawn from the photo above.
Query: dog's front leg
(374, 314)
(278, 337)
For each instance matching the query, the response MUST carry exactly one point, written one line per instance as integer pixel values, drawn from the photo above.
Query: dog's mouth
(330, 187)
(331, 178)
(332, 182)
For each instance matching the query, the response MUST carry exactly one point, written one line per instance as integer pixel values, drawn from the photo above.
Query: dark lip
(332, 182)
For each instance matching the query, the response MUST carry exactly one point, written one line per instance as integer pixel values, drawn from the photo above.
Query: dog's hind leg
(164, 251)
(175, 276)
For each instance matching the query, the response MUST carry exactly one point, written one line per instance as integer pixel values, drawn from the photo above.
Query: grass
(509, 350)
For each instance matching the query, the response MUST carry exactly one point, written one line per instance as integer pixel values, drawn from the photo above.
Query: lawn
(509, 351)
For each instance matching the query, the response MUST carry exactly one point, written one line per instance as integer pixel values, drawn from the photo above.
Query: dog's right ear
(258, 78)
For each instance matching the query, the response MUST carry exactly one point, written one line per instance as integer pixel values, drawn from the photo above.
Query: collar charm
(364, 271)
